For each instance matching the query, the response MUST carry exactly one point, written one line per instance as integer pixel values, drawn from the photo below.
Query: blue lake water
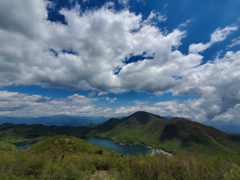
(24, 146)
(132, 150)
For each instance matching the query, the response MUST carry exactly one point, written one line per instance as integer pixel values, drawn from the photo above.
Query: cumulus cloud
(111, 100)
(44, 99)
(217, 86)
(167, 108)
(99, 41)
(217, 36)
(92, 94)
(18, 104)
(91, 51)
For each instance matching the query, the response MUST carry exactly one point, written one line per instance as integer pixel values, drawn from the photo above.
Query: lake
(132, 150)
(24, 146)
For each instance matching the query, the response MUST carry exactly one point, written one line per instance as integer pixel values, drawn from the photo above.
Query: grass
(67, 157)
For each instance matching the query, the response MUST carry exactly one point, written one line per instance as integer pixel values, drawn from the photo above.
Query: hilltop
(67, 145)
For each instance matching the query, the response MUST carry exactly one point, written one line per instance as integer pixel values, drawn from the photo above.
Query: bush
(234, 173)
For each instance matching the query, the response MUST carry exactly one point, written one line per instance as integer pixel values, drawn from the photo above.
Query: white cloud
(123, 2)
(184, 24)
(138, 103)
(102, 93)
(155, 15)
(169, 108)
(217, 36)
(162, 18)
(16, 104)
(235, 42)
(107, 110)
(111, 100)
(24, 17)
(79, 99)
(92, 94)
(101, 40)
(221, 34)
(231, 114)
(217, 86)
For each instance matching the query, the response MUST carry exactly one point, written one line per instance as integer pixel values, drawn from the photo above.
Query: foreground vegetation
(65, 157)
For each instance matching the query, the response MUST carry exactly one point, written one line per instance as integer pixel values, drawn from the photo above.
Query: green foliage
(67, 157)
(91, 125)
(6, 146)
(234, 173)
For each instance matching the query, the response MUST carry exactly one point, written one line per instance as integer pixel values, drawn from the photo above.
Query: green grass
(67, 157)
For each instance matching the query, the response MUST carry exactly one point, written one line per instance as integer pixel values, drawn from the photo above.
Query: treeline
(64, 157)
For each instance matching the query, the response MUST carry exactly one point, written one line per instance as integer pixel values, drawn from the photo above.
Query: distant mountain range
(58, 120)
(65, 120)
(174, 135)
(227, 127)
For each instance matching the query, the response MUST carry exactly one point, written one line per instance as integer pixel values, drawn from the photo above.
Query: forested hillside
(174, 135)
(67, 157)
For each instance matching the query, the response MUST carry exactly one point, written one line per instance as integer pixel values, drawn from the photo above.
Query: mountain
(173, 135)
(59, 120)
(229, 127)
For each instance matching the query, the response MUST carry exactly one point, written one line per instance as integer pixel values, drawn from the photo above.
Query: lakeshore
(153, 151)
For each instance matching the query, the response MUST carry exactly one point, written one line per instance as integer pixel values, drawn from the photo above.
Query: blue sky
(112, 58)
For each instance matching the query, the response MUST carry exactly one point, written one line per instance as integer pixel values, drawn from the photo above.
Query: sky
(113, 58)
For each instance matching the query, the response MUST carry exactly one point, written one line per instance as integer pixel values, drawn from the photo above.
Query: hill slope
(62, 144)
(21, 133)
(174, 135)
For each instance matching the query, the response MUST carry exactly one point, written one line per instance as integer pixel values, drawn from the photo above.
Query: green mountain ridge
(174, 135)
